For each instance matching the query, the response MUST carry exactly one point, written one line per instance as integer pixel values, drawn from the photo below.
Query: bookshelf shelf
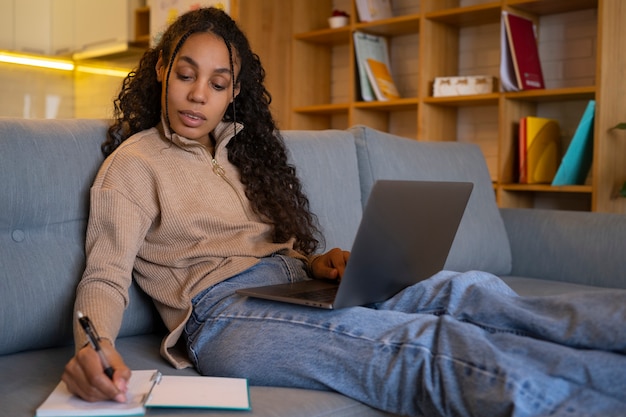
(556, 94)
(469, 100)
(546, 7)
(392, 105)
(436, 38)
(480, 14)
(583, 189)
(327, 109)
(395, 26)
(328, 36)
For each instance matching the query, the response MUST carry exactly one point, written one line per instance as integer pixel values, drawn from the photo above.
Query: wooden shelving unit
(426, 39)
(142, 26)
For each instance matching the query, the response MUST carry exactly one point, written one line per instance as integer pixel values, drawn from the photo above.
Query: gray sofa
(46, 168)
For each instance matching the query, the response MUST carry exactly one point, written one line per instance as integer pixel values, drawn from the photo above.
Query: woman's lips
(192, 119)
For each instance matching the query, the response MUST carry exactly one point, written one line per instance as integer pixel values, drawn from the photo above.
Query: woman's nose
(197, 94)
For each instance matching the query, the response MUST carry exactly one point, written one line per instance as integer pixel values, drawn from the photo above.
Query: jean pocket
(203, 303)
(294, 269)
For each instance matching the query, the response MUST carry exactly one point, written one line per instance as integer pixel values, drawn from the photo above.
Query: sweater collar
(222, 133)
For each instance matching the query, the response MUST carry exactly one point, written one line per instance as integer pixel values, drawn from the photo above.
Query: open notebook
(151, 389)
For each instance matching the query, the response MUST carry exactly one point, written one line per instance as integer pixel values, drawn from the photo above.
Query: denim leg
(400, 361)
(586, 320)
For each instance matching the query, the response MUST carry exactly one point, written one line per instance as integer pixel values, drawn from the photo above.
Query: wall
(40, 93)
(94, 94)
(35, 93)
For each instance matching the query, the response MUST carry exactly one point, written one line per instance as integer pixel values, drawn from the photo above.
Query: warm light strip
(59, 64)
(112, 72)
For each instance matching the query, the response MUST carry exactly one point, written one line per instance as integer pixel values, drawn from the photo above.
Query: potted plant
(338, 19)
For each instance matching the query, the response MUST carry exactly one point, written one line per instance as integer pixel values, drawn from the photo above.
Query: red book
(524, 52)
(523, 178)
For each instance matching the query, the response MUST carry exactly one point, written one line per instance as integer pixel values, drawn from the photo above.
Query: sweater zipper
(220, 172)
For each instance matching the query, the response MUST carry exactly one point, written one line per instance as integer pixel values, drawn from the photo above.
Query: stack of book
(375, 78)
(372, 54)
(539, 155)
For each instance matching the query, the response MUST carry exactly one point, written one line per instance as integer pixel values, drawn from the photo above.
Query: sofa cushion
(47, 167)
(326, 164)
(573, 247)
(481, 242)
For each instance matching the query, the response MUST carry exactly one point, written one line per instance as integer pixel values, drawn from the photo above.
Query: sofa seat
(44, 368)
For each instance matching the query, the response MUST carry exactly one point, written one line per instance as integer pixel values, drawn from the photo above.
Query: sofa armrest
(578, 247)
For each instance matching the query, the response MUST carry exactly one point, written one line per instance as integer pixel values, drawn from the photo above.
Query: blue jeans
(457, 344)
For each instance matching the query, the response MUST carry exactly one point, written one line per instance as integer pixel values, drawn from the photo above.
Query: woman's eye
(184, 77)
(218, 86)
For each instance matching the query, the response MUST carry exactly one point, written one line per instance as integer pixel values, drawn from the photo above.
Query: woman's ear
(236, 91)
(159, 68)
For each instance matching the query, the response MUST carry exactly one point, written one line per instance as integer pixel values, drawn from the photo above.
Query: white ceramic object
(337, 21)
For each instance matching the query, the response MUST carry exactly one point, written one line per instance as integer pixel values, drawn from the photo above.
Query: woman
(196, 199)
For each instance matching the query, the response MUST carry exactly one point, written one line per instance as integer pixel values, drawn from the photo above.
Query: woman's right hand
(85, 377)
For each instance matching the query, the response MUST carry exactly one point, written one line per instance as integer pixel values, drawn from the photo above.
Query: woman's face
(200, 86)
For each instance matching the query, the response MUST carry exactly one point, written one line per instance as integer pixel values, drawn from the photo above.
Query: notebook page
(200, 392)
(62, 402)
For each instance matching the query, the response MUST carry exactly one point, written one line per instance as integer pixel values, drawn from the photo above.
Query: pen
(94, 340)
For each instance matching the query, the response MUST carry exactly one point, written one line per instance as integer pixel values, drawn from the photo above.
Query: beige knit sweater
(166, 211)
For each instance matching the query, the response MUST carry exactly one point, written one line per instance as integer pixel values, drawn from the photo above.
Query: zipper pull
(217, 169)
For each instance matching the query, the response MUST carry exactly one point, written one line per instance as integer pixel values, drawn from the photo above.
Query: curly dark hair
(258, 150)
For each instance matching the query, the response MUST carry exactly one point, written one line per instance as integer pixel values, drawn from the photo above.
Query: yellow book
(541, 145)
(381, 80)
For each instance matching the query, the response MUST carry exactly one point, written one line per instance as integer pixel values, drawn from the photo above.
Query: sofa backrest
(47, 167)
(573, 246)
(481, 242)
(46, 170)
(326, 164)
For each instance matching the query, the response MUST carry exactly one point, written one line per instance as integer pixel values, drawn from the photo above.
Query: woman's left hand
(330, 265)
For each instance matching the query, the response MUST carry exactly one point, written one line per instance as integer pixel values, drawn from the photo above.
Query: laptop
(404, 237)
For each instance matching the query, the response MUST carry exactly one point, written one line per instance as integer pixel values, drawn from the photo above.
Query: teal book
(576, 162)
(366, 47)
